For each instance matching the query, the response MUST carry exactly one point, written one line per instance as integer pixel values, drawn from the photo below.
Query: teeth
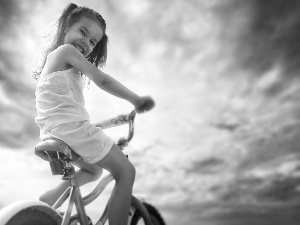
(79, 48)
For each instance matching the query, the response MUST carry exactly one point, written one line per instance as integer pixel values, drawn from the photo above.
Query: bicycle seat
(51, 148)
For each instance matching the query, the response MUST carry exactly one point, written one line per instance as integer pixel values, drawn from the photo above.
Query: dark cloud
(17, 107)
(267, 33)
(230, 214)
(271, 146)
(281, 189)
(249, 215)
(208, 166)
(231, 127)
(236, 192)
(273, 188)
(9, 9)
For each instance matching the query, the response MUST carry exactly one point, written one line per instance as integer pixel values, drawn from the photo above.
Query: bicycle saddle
(53, 149)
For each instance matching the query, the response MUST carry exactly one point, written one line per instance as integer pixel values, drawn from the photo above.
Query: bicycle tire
(31, 216)
(75, 220)
(155, 216)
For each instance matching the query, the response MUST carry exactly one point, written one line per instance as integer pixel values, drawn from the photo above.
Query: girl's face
(84, 35)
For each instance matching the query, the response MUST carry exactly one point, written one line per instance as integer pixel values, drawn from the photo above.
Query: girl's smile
(84, 35)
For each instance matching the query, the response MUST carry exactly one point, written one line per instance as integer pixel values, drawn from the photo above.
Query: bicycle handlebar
(118, 121)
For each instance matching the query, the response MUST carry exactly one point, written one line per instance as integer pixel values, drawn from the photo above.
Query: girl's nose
(84, 42)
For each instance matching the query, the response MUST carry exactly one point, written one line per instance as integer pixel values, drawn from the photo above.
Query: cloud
(208, 166)
(226, 126)
(262, 33)
(219, 145)
(258, 215)
(17, 92)
(281, 189)
(17, 129)
(276, 140)
(9, 9)
(221, 112)
(228, 214)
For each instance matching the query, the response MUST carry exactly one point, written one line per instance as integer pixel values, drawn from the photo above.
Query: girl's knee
(128, 173)
(118, 165)
(131, 172)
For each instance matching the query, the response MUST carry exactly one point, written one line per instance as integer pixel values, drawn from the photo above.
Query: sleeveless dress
(61, 114)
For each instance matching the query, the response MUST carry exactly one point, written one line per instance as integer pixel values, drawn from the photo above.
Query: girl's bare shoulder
(62, 53)
(57, 60)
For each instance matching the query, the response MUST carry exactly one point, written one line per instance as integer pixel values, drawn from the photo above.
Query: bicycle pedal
(56, 167)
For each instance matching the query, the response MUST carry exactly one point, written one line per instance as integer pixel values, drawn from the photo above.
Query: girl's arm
(71, 56)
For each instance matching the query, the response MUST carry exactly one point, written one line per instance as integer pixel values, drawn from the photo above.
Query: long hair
(70, 15)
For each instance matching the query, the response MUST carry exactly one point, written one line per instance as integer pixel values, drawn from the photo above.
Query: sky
(221, 145)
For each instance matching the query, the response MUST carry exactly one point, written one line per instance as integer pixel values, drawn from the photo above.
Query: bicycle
(62, 158)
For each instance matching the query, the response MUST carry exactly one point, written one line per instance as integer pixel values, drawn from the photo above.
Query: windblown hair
(70, 15)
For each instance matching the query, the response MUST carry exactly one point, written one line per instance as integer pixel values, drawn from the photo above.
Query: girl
(79, 48)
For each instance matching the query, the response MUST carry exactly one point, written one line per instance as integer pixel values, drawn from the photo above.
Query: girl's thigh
(90, 168)
(117, 163)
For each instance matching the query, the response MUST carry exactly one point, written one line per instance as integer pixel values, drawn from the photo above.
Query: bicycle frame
(74, 194)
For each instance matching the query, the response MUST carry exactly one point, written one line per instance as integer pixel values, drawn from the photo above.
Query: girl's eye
(93, 43)
(82, 32)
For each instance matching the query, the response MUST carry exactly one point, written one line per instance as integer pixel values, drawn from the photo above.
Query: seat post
(69, 172)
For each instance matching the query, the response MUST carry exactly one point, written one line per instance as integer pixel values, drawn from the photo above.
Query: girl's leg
(124, 173)
(87, 173)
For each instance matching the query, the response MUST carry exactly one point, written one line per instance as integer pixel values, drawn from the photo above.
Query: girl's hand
(144, 104)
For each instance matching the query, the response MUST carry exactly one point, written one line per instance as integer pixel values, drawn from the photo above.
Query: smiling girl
(80, 47)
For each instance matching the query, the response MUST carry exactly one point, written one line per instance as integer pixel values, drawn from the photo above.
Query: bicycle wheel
(31, 216)
(74, 220)
(156, 218)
